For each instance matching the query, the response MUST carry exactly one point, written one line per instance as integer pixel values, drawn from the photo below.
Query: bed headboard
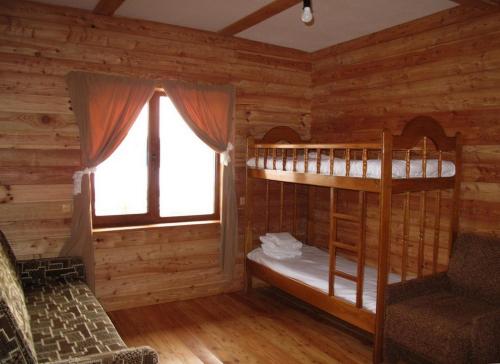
(424, 126)
(281, 134)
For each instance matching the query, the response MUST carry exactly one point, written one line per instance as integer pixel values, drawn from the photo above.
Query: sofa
(451, 317)
(48, 314)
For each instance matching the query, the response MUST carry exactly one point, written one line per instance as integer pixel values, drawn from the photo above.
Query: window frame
(152, 216)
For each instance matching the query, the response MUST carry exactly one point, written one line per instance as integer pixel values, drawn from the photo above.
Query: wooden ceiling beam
(482, 4)
(271, 9)
(107, 7)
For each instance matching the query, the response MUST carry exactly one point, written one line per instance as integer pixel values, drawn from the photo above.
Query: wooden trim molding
(107, 7)
(266, 12)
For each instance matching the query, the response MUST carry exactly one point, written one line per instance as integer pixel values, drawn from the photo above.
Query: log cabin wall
(446, 65)
(39, 141)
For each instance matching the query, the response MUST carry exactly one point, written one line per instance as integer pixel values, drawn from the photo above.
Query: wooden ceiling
(277, 21)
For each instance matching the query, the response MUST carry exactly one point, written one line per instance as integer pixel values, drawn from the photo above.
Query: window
(161, 172)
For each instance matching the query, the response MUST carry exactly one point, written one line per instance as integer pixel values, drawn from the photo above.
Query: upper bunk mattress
(356, 167)
(312, 269)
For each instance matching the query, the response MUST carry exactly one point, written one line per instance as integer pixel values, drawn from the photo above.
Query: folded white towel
(281, 244)
(271, 245)
(279, 237)
(272, 252)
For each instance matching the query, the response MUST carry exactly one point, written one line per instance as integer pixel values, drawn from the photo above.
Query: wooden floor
(264, 326)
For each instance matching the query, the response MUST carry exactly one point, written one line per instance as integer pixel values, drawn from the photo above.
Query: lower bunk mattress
(312, 269)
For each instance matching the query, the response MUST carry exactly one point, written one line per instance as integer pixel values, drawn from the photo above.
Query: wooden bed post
(384, 241)
(248, 216)
(455, 212)
(332, 239)
(310, 212)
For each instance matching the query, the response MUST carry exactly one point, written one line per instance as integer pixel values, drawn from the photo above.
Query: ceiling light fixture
(307, 15)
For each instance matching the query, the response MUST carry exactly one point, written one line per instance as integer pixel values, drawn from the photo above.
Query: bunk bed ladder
(357, 249)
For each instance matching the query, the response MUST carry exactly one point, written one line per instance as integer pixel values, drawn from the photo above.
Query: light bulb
(307, 15)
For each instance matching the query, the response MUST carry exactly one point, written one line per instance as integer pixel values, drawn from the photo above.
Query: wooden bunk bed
(365, 167)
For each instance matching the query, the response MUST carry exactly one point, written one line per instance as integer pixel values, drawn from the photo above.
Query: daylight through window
(161, 172)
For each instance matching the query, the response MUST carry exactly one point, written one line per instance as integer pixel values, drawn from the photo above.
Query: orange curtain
(105, 108)
(209, 112)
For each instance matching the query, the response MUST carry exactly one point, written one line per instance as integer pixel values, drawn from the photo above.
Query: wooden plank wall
(39, 141)
(446, 65)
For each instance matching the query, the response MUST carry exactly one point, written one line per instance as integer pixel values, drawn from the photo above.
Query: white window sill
(156, 226)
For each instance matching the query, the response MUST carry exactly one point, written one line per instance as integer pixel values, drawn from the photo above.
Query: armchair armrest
(401, 291)
(38, 272)
(485, 338)
(140, 355)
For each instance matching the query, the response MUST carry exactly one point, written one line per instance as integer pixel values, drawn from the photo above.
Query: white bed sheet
(312, 269)
(356, 167)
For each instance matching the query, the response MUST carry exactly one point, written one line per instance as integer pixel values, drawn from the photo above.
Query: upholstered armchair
(452, 317)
